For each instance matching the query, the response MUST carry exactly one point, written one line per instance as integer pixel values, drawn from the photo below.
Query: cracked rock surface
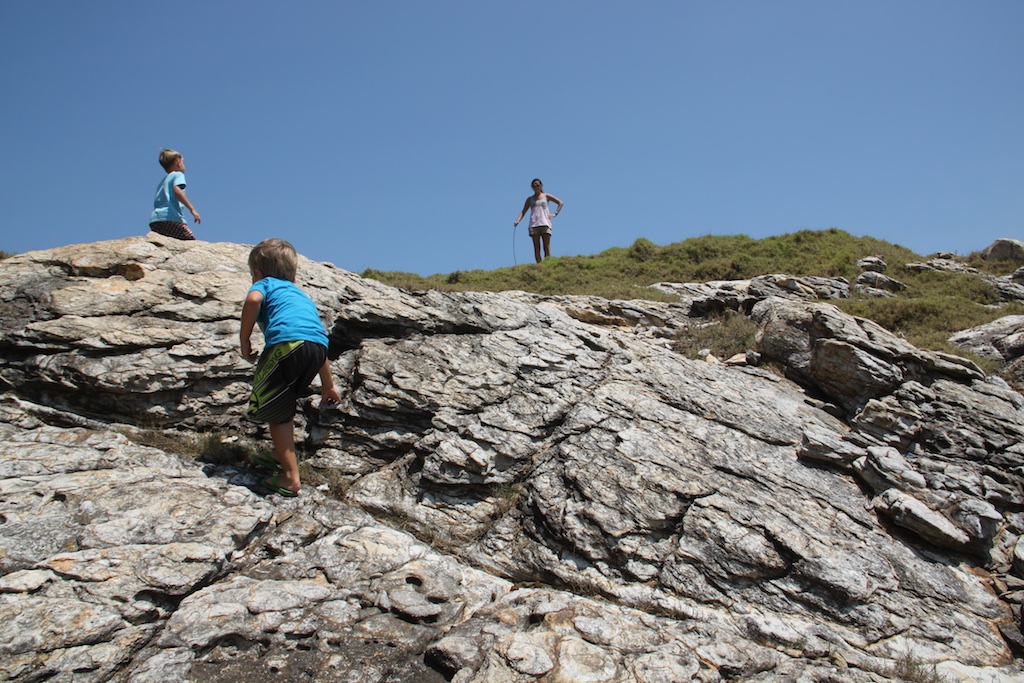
(526, 488)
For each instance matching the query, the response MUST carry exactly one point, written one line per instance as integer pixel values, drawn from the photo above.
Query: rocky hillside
(515, 487)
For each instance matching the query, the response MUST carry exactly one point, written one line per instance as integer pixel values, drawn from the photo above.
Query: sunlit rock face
(522, 487)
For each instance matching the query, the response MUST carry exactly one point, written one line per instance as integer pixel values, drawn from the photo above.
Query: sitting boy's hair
(168, 157)
(274, 257)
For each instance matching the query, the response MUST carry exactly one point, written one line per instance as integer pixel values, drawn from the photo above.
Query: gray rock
(523, 487)
(875, 280)
(873, 264)
(1001, 339)
(1004, 249)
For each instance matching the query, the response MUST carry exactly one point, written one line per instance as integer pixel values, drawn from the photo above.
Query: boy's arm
(327, 390)
(180, 194)
(250, 311)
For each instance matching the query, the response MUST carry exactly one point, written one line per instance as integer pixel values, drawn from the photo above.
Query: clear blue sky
(403, 134)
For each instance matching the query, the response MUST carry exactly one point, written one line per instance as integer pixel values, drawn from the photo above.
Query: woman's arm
(526, 207)
(556, 200)
(250, 311)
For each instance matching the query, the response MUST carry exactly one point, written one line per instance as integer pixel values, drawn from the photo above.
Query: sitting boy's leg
(283, 435)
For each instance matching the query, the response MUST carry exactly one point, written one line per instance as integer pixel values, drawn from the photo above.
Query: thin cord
(514, 259)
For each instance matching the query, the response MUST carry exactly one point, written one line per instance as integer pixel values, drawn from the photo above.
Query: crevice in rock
(347, 335)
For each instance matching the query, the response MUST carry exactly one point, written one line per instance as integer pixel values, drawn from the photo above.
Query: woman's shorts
(540, 230)
(178, 231)
(283, 372)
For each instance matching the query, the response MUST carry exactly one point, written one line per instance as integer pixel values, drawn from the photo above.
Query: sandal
(270, 483)
(265, 461)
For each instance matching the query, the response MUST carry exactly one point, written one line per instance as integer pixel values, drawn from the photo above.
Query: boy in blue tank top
(294, 353)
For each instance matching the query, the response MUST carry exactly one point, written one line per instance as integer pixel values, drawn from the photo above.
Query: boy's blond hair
(168, 157)
(274, 257)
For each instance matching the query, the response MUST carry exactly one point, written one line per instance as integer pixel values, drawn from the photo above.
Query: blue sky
(403, 135)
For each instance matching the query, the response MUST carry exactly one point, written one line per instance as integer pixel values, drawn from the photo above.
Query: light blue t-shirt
(166, 206)
(287, 314)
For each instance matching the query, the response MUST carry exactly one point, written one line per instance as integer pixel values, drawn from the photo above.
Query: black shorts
(283, 372)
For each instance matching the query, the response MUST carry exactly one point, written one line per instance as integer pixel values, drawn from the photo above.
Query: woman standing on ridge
(540, 218)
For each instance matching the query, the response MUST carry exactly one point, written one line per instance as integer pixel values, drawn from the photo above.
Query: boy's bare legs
(283, 435)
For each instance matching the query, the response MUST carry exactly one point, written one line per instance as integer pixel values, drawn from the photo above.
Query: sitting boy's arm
(180, 194)
(327, 390)
(250, 311)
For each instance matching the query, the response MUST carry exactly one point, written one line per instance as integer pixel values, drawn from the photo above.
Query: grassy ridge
(618, 273)
(934, 306)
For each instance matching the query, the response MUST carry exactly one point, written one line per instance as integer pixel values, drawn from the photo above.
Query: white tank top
(539, 211)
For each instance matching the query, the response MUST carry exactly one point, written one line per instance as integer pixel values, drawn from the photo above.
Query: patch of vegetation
(337, 483)
(166, 440)
(907, 667)
(208, 447)
(224, 450)
(506, 496)
(724, 334)
(4, 254)
(975, 260)
(932, 307)
(627, 273)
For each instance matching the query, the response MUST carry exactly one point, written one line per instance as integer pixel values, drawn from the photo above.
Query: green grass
(933, 307)
(626, 273)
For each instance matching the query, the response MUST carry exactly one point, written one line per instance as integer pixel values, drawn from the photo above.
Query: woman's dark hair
(536, 180)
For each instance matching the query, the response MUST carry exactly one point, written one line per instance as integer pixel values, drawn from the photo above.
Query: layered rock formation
(516, 488)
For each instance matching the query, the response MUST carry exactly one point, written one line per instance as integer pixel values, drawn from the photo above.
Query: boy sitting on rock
(295, 351)
(167, 218)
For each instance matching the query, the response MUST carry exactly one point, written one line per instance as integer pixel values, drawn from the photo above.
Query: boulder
(876, 280)
(873, 264)
(1001, 339)
(1004, 249)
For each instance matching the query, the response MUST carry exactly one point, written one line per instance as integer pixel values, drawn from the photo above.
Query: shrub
(642, 249)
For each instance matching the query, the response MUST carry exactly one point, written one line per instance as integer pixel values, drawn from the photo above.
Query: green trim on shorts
(263, 391)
